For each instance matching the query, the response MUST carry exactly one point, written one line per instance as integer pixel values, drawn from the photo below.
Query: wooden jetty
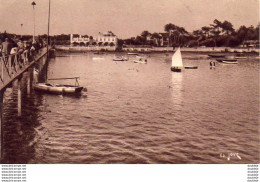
(14, 68)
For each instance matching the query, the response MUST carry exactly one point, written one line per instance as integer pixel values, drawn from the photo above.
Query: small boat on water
(140, 56)
(98, 58)
(191, 67)
(132, 53)
(226, 60)
(142, 61)
(118, 58)
(57, 89)
(240, 56)
(99, 52)
(177, 64)
(217, 55)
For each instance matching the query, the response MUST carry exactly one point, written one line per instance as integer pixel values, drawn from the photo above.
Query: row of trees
(216, 34)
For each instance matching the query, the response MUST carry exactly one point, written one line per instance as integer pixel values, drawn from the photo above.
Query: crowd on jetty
(15, 53)
(19, 46)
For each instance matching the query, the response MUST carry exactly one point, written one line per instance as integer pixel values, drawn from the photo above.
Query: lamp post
(33, 4)
(21, 30)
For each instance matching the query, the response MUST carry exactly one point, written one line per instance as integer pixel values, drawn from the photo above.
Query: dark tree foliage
(219, 33)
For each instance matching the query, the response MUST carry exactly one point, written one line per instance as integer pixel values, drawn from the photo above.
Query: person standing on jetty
(20, 50)
(6, 47)
(20, 45)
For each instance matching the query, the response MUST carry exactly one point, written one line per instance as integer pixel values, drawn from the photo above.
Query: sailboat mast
(48, 24)
(48, 40)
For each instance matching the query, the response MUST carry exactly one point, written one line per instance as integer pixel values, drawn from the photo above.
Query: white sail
(177, 59)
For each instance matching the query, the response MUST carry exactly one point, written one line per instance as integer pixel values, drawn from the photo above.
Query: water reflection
(177, 88)
(135, 113)
(20, 134)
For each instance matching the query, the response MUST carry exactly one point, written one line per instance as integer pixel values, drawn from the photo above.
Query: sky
(126, 18)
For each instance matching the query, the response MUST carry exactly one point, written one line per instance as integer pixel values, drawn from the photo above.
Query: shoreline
(159, 49)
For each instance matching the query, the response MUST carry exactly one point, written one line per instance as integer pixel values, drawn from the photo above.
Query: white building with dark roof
(103, 39)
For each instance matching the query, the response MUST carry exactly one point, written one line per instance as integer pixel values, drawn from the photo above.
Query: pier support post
(1, 124)
(19, 95)
(29, 80)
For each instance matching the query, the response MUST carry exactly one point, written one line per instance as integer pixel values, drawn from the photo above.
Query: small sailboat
(177, 64)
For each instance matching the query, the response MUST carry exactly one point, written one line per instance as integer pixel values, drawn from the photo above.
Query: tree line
(217, 34)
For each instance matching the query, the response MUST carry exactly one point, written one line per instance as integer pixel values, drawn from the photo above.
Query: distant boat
(141, 60)
(118, 58)
(240, 56)
(231, 60)
(191, 67)
(99, 52)
(177, 64)
(140, 56)
(227, 62)
(57, 89)
(217, 55)
(98, 58)
(132, 53)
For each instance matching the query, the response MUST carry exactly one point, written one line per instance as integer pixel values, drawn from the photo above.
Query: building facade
(103, 39)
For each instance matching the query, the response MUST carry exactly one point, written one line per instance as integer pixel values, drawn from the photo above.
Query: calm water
(138, 113)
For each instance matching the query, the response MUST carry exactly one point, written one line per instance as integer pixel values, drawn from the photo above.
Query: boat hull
(175, 69)
(216, 55)
(141, 62)
(57, 89)
(118, 60)
(98, 58)
(191, 67)
(132, 53)
(241, 57)
(226, 60)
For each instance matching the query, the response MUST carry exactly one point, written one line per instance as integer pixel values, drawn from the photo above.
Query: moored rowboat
(191, 67)
(57, 89)
(120, 58)
(226, 60)
(217, 55)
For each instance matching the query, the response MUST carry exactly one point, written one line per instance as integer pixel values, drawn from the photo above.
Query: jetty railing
(15, 64)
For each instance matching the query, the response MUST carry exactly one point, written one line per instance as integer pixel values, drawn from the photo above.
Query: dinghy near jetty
(59, 88)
